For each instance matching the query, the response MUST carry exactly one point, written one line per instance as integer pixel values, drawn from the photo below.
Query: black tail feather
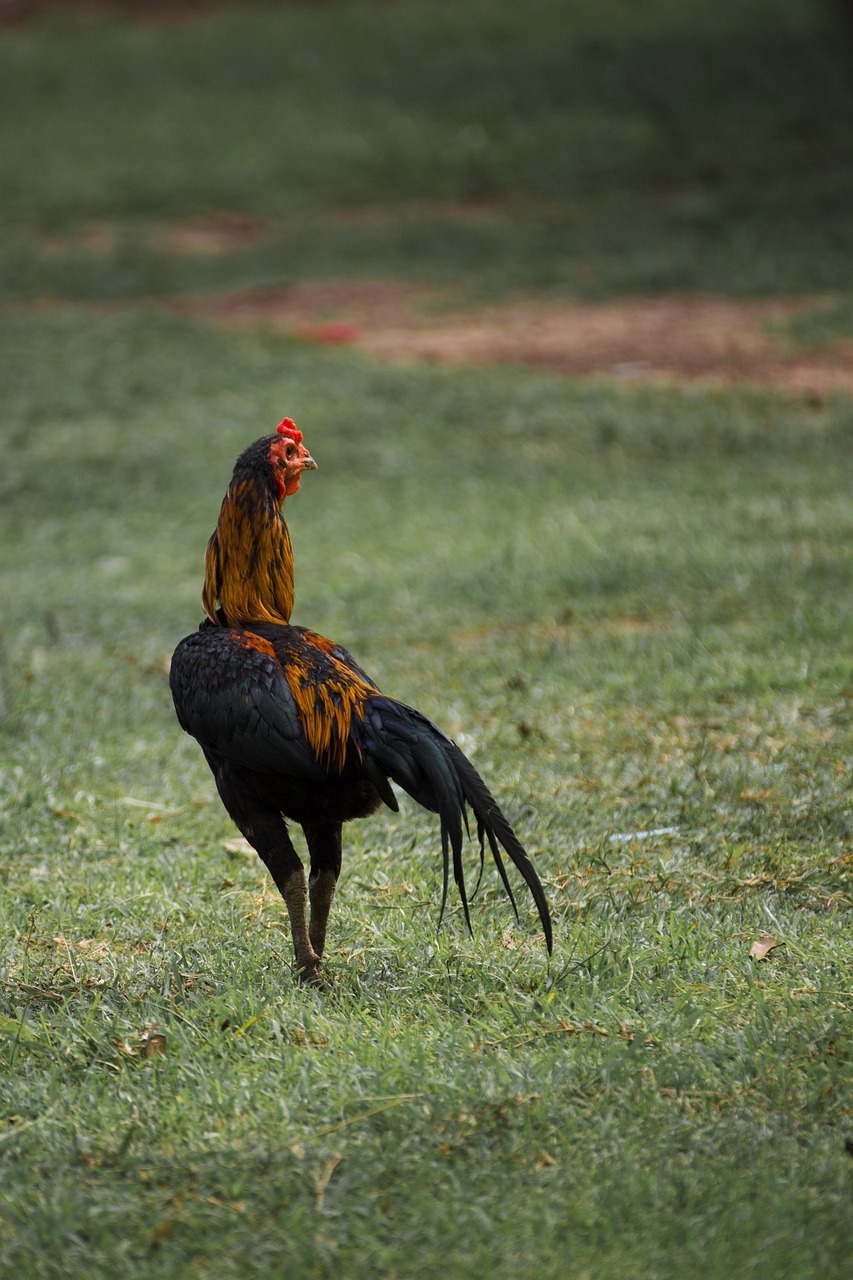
(450, 803)
(445, 877)
(499, 862)
(481, 845)
(499, 832)
(407, 747)
(459, 877)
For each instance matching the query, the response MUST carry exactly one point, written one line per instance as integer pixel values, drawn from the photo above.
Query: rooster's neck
(248, 565)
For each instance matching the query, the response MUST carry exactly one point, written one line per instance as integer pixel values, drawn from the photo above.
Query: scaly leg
(324, 846)
(292, 889)
(265, 829)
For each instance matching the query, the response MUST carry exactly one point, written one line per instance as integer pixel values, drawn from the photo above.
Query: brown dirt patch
(215, 235)
(209, 235)
(368, 306)
(682, 339)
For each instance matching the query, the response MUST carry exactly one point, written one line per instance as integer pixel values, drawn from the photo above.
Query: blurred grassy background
(631, 604)
(583, 147)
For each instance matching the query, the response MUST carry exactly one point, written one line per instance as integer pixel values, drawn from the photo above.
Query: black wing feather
(236, 702)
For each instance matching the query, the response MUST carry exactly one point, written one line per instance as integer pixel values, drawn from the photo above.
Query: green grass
(632, 606)
(611, 147)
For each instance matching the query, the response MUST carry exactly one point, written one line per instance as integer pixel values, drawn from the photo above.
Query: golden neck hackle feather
(248, 565)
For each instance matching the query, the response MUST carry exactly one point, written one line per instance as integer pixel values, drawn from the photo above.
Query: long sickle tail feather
(400, 743)
(490, 819)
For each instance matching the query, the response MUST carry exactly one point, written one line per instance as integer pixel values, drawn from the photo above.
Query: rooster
(293, 728)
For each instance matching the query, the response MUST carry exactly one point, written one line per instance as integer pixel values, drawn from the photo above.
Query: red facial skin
(289, 458)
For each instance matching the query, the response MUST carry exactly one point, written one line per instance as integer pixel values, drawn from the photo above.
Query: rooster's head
(275, 462)
(288, 458)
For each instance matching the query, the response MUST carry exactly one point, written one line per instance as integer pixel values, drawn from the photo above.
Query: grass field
(631, 605)
(602, 146)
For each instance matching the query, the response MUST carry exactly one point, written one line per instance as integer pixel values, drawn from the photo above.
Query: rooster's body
(291, 726)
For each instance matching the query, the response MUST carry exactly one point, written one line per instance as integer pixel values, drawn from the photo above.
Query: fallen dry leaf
(155, 1046)
(238, 845)
(765, 944)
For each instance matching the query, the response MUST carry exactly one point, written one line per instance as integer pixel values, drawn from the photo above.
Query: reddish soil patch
(368, 306)
(714, 340)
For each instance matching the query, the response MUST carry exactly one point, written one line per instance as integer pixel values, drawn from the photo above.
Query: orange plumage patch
(248, 640)
(327, 696)
(327, 646)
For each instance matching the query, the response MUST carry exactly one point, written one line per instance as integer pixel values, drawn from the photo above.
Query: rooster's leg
(292, 889)
(264, 828)
(324, 846)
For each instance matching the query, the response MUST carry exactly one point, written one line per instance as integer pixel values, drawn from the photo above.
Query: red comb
(287, 427)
